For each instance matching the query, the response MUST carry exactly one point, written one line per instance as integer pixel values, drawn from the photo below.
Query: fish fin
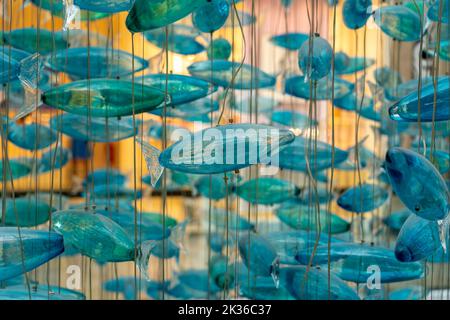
(143, 258)
(443, 226)
(179, 231)
(29, 70)
(71, 11)
(30, 104)
(151, 155)
(275, 272)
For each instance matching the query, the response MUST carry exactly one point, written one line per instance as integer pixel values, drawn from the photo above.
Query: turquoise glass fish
(299, 87)
(291, 41)
(314, 284)
(222, 272)
(198, 279)
(417, 183)
(26, 212)
(103, 63)
(267, 190)
(225, 74)
(355, 64)
(146, 15)
(105, 176)
(80, 127)
(303, 218)
(33, 136)
(104, 98)
(364, 198)
(23, 70)
(219, 189)
(314, 58)
(181, 39)
(405, 88)
(292, 119)
(15, 168)
(27, 250)
(263, 288)
(194, 108)
(398, 22)
(407, 108)
(259, 255)
(196, 154)
(211, 16)
(418, 239)
(219, 49)
(112, 190)
(182, 89)
(54, 159)
(128, 286)
(25, 39)
(355, 13)
(224, 219)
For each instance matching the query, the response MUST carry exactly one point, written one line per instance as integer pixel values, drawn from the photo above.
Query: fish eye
(417, 208)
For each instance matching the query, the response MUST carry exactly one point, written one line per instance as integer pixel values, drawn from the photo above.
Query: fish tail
(443, 226)
(29, 105)
(70, 13)
(29, 71)
(275, 271)
(143, 256)
(151, 155)
(178, 233)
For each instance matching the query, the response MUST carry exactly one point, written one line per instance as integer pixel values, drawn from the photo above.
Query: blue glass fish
(103, 63)
(195, 154)
(226, 74)
(418, 239)
(351, 262)
(299, 87)
(259, 255)
(108, 6)
(417, 183)
(54, 159)
(27, 39)
(211, 16)
(355, 13)
(219, 189)
(23, 70)
(291, 41)
(407, 108)
(314, 58)
(351, 102)
(145, 15)
(312, 284)
(222, 272)
(105, 176)
(181, 88)
(58, 8)
(113, 190)
(128, 286)
(197, 107)
(364, 198)
(398, 22)
(26, 212)
(219, 49)
(405, 88)
(224, 219)
(15, 168)
(302, 217)
(27, 250)
(267, 190)
(292, 119)
(181, 39)
(396, 219)
(218, 242)
(33, 136)
(355, 64)
(263, 288)
(198, 280)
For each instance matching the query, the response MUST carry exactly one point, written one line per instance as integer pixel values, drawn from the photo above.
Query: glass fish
(197, 107)
(181, 88)
(299, 87)
(398, 22)
(39, 292)
(314, 58)
(15, 168)
(26, 212)
(289, 243)
(103, 63)
(95, 235)
(267, 190)
(25, 39)
(147, 229)
(351, 262)
(108, 6)
(54, 159)
(418, 239)
(27, 250)
(103, 98)
(263, 288)
(105, 176)
(198, 279)
(219, 49)
(219, 189)
(211, 16)
(218, 243)
(199, 156)
(405, 88)
(113, 190)
(23, 70)
(33, 136)
(231, 74)
(351, 102)
(97, 129)
(364, 198)
(182, 39)
(292, 119)
(406, 109)
(57, 8)
(127, 285)
(246, 101)
(396, 219)
(259, 255)
(291, 41)
(300, 217)
(222, 272)
(295, 155)
(355, 13)
(417, 183)
(355, 64)
(315, 285)
(145, 15)
(387, 78)
(224, 219)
